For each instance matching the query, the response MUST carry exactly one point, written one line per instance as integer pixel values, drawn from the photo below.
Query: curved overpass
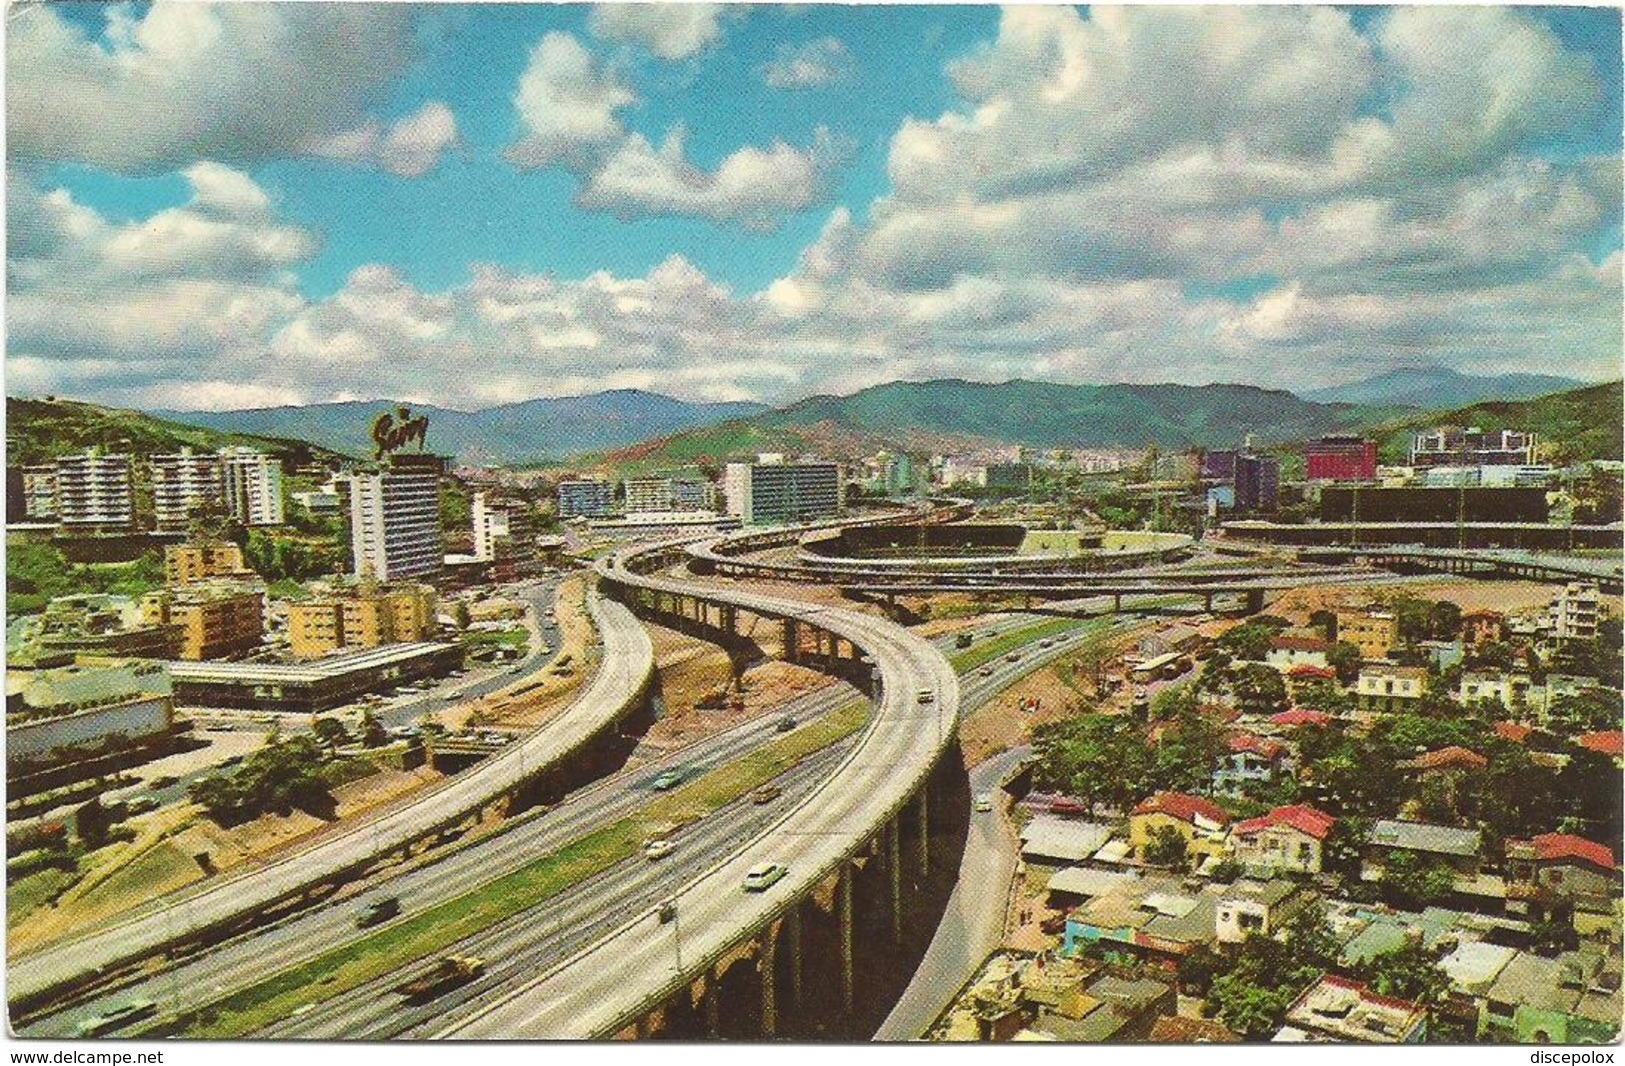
(625, 671)
(606, 987)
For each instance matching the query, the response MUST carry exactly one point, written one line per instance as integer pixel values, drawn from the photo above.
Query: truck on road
(447, 973)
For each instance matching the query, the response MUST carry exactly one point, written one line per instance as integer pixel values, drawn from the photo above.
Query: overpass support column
(894, 871)
(712, 1005)
(925, 830)
(1208, 602)
(769, 963)
(792, 938)
(792, 641)
(1117, 602)
(843, 907)
(730, 620)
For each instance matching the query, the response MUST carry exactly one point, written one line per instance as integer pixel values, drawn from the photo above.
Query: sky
(215, 206)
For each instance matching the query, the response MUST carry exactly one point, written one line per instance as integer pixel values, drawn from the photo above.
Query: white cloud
(182, 81)
(813, 65)
(670, 31)
(569, 103)
(410, 148)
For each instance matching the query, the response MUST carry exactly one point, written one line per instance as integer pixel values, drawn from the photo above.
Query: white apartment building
(1389, 688)
(585, 498)
(395, 519)
(1575, 611)
(93, 491)
(490, 523)
(780, 493)
(253, 486)
(39, 493)
(180, 481)
(650, 494)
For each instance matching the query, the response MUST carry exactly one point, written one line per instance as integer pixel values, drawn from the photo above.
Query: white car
(984, 801)
(658, 849)
(764, 876)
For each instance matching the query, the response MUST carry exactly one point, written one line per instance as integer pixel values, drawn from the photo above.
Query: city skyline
(472, 206)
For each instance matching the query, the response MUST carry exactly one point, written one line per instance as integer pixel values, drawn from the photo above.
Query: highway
(972, 925)
(626, 667)
(249, 958)
(622, 975)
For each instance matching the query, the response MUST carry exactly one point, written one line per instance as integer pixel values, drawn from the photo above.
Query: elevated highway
(854, 813)
(1539, 566)
(615, 692)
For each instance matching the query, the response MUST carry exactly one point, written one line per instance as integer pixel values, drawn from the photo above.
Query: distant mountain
(1581, 424)
(953, 415)
(1433, 388)
(532, 431)
(41, 430)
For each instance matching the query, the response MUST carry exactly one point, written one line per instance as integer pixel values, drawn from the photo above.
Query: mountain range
(1436, 387)
(533, 431)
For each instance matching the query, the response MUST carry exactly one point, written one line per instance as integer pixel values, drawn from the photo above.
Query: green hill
(1573, 426)
(40, 430)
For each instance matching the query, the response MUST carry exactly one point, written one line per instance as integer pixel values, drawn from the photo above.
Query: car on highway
(668, 780)
(986, 671)
(1046, 642)
(165, 781)
(984, 801)
(658, 849)
(964, 640)
(925, 695)
(766, 794)
(764, 875)
(1013, 657)
(117, 1017)
(381, 910)
(787, 723)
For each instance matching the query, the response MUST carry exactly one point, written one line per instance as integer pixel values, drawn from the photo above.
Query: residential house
(1291, 839)
(1566, 1000)
(1061, 841)
(1299, 717)
(1202, 823)
(1251, 758)
(1159, 919)
(1336, 1009)
(1479, 628)
(1289, 651)
(1450, 761)
(1112, 1009)
(1382, 687)
(1565, 866)
(1460, 849)
(1263, 907)
(1609, 742)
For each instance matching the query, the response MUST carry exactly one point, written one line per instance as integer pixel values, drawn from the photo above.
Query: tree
(1226, 871)
(1345, 659)
(1416, 882)
(1326, 622)
(1251, 1010)
(1259, 690)
(460, 614)
(330, 731)
(1250, 641)
(1410, 971)
(1198, 969)
(373, 733)
(1165, 846)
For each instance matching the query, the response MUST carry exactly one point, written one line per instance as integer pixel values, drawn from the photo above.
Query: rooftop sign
(392, 431)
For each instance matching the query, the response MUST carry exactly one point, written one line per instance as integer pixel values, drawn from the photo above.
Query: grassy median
(985, 652)
(442, 926)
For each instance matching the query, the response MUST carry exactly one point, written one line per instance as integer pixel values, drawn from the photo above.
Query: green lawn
(28, 894)
(506, 638)
(435, 930)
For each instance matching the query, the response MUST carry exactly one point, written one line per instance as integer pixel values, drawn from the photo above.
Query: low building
(1479, 628)
(1564, 866)
(1374, 633)
(105, 626)
(1381, 687)
(193, 562)
(1112, 1009)
(310, 688)
(1203, 824)
(1181, 1030)
(362, 616)
(1251, 907)
(1250, 760)
(214, 622)
(1159, 919)
(1448, 761)
(1289, 651)
(1047, 839)
(1536, 1000)
(1336, 1009)
(53, 714)
(1459, 849)
(1575, 611)
(1290, 839)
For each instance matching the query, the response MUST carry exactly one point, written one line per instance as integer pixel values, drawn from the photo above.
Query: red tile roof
(1304, 819)
(1174, 1029)
(1267, 749)
(1610, 743)
(1300, 644)
(1551, 846)
(1301, 717)
(1185, 808)
(1305, 672)
(1512, 731)
(1451, 758)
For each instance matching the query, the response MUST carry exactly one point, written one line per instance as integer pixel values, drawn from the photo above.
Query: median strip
(346, 968)
(971, 658)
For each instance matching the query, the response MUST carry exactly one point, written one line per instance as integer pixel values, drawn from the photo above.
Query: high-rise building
(1258, 482)
(692, 494)
(780, 493)
(93, 492)
(1453, 446)
(1219, 465)
(395, 518)
(586, 498)
(253, 486)
(649, 494)
(1340, 459)
(490, 526)
(39, 493)
(180, 481)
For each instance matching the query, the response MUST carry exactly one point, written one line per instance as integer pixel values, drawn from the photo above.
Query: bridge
(1538, 566)
(668, 958)
(225, 904)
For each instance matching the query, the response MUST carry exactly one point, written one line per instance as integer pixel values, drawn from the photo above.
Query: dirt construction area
(538, 698)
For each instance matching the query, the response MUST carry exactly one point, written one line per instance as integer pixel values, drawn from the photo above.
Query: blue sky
(766, 202)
